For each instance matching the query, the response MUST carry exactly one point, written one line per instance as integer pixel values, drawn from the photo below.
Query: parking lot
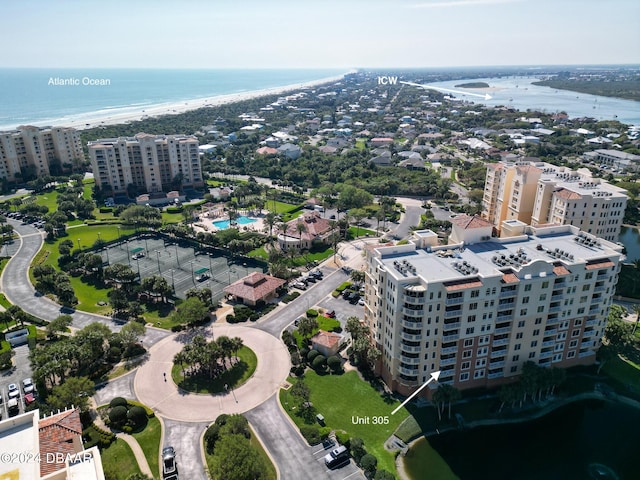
(19, 372)
(348, 470)
(183, 267)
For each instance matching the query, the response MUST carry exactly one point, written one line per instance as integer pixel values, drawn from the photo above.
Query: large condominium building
(149, 162)
(539, 193)
(30, 152)
(479, 309)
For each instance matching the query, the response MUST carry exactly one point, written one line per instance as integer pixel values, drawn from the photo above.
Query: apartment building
(150, 162)
(29, 152)
(479, 309)
(538, 193)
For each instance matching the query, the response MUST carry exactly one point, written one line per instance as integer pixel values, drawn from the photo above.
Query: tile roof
(328, 339)
(600, 264)
(510, 278)
(467, 222)
(561, 270)
(567, 194)
(57, 434)
(254, 286)
(462, 284)
(315, 226)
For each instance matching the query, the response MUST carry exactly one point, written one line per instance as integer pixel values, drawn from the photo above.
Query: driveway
(186, 439)
(119, 387)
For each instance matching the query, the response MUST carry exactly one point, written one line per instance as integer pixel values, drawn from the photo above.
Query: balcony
(502, 341)
(599, 289)
(590, 343)
(453, 313)
(553, 321)
(588, 333)
(450, 338)
(454, 301)
(448, 361)
(546, 354)
(557, 297)
(550, 331)
(411, 372)
(554, 309)
(499, 331)
(450, 326)
(495, 375)
(498, 353)
(410, 360)
(508, 293)
(412, 313)
(499, 364)
(504, 317)
(593, 308)
(602, 276)
(410, 349)
(414, 300)
(448, 350)
(548, 343)
(411, 325)
(591, 323)
(586, 354)
(410, 337)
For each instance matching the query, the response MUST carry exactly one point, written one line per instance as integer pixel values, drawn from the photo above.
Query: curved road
(185, 416)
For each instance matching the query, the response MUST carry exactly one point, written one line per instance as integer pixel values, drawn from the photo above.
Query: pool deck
(205, 224)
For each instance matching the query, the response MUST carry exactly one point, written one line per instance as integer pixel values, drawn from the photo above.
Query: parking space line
(351, 475)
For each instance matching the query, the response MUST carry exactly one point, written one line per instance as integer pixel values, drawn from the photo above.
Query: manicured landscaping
(624, 371)
(338, 398)
(238, 374)
(270, 473)
(149, 440)
(279, 207)
(259, 252)
(315, 256)
(119, 460)
(357, 232)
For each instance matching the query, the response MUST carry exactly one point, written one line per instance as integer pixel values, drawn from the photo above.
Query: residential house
(327, 343)
(290, 150)
(316, 229)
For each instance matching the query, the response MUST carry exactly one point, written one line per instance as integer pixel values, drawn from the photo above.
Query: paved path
(186, 439)
(171, 402)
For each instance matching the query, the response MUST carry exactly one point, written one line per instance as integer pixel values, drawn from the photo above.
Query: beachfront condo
(29, 152)
(151, 163)
(538, 193)
(481, 307)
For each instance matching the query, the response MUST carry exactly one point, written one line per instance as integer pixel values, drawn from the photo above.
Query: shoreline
(88, 120)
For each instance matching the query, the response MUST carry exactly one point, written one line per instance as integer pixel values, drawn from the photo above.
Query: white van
(336, 457)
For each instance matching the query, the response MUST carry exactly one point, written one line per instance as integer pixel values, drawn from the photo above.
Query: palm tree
(270, 219)
(236, 345)
(300, 228)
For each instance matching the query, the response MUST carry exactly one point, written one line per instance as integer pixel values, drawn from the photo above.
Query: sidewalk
(131, 441)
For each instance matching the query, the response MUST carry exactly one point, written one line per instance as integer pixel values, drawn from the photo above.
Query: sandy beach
(96, 119)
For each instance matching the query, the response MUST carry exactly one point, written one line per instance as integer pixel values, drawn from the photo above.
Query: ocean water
(41, 97)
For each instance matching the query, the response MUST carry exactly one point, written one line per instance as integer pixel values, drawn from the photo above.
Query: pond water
(630, 238)
(585, 440)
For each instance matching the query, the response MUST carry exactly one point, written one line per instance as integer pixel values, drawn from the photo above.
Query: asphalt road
(18, 289)
(186, 439)
(120, 387)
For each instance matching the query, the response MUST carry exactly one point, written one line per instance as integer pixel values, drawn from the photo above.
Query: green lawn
(172, 218)
(234, 377)
(318, 256)
(356, 232)
(48, 199)
(119, 460)
(271, 473)
(259, 252)
(338, 397)
(361, 144)
(624, 371)
(149, 440)
(279, 207)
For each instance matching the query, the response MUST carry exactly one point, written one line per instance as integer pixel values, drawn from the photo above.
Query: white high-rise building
(30, 152)
(149, 162)
(479, 309)
(539, 193)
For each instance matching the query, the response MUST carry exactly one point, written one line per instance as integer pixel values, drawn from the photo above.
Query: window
(475, 293)
(536, 332)
(525, 300)
(478, 374)
(471, 318)
(464, 376)
(523, 312)
(514, 369)
(473, 306)
(527, 287)
(517, 346)
(543, 297)
(521, 324)
(468, 342)
(573, 343)
(482, 352)
(577, 322)
(575, 332)
(538, 320)
(545, 284)
(470, 330)
(483, 340)
(559, 347)
(532, 355)
(481, 362)
(589, 276)
(571, 354)
(540, 309)
(518, 335)
(515, 358)
(534, 344)
(466, 353)
(466, 365)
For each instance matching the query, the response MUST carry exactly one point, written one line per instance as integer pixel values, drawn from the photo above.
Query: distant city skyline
(314, 34)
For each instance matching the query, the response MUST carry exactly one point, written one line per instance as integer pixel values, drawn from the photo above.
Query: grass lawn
(279, 207)
(624, 371)
(361, 144)
(49, 199)
(234, 377)
(338, 397)
(324, 323)
(356, 232)
(318, 256)
(149, 440)
(172, 218)
(119, 460)
(259, 253)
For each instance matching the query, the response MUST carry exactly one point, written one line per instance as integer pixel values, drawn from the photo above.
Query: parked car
(336, 457)
(29, 398)
(330, 314)
(354, 299)
(14, 391)
(361, 301)
(28, 386)
(202, 277)
(317, 274)
(168, 461)
(138, 255)
(310, 279)
(300, 285)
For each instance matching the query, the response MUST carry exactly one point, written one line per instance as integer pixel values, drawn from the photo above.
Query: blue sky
(310, 33)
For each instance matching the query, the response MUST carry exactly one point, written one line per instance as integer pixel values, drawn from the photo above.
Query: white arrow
(486, 96)
(434, 376)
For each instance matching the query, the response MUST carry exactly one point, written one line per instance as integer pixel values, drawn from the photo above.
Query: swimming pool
(241, 220)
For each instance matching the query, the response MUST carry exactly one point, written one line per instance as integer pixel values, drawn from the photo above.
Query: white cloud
(462, 3)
